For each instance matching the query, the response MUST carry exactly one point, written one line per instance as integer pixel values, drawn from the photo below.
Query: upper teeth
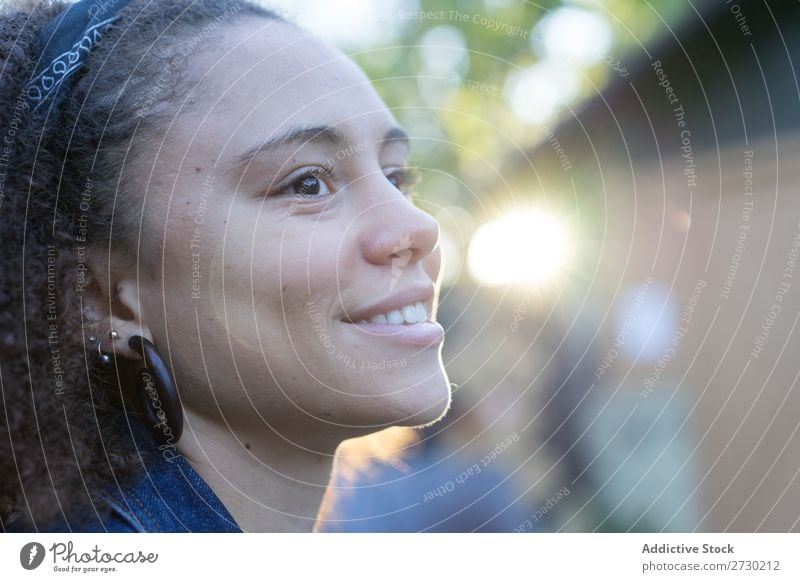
(413, 313)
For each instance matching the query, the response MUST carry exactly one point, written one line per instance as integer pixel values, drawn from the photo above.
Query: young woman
(212, 271)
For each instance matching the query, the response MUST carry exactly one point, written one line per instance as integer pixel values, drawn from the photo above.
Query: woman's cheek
(433, 264)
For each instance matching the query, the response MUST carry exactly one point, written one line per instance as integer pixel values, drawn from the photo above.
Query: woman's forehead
(269, 75)
(265, 61)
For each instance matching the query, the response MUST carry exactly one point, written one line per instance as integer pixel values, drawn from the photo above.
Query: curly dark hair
(65, 187)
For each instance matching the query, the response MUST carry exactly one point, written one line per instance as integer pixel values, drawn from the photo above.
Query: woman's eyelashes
(404, 179)
(319, 182)
(311, 182)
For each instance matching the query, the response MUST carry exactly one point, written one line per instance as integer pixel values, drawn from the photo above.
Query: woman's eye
(403, 180)
(309, 185)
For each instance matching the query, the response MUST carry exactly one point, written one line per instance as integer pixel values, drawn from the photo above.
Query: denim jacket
(167, 495)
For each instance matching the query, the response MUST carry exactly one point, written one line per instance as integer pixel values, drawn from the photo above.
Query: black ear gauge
(158, 394)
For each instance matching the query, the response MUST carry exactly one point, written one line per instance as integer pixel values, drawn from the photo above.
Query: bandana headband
(65, 43)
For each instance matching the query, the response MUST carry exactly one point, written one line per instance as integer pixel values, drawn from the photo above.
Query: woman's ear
(112, 301)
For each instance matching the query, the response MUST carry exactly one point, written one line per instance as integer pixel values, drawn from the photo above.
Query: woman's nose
(396, 230)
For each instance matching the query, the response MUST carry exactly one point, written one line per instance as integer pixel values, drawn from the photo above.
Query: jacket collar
(167, 495)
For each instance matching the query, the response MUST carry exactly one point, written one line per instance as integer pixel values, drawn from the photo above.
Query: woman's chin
(424, 405)
(420, 405)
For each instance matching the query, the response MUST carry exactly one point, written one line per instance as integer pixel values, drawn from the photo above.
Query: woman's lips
(411, 305)
(422, 334)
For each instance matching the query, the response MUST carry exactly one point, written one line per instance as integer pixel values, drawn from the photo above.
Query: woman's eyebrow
(311, 134)
(292, 136)
(396, 135)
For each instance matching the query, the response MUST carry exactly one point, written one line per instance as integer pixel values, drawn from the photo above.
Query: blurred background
(615, 182)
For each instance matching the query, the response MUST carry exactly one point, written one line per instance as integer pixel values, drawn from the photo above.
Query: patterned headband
(65, 43)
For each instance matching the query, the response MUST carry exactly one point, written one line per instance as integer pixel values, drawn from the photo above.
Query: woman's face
(274, 222)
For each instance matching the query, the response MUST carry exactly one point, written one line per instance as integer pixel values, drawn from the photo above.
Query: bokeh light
(537, 93)
(578, 35)
(529, 247)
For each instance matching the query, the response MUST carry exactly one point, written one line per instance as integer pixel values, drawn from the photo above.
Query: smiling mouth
(393, 327)
(406, 315)
(410, 325)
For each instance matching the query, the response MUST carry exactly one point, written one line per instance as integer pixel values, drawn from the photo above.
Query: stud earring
(103, 357)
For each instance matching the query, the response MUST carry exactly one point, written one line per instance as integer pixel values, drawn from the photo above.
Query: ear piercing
(103, 357)
(160, 399)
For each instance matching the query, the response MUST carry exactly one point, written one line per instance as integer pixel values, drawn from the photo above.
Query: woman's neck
(267, 481)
